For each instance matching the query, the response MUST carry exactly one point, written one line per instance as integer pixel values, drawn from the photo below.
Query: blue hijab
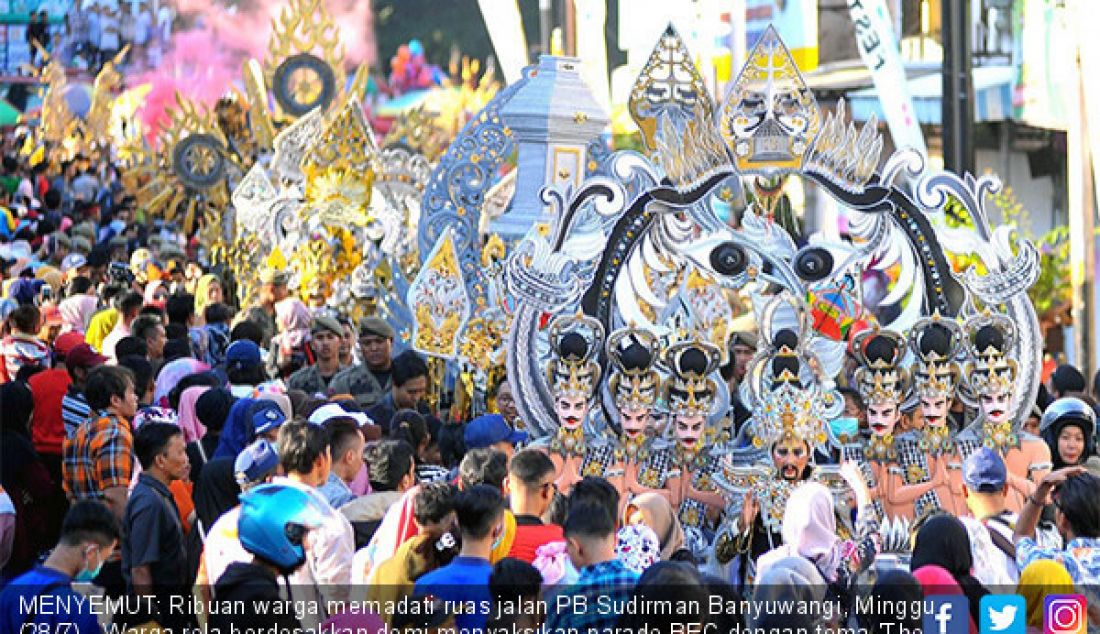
(238, 430)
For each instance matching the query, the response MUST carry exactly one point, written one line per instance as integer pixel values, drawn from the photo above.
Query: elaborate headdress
(935, 342)
(879, 379)
(991, 338)
(633, 380)
(689, 390)
(573, 371)
(788, 408)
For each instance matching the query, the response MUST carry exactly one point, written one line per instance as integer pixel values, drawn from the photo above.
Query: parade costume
(635, 460)
(991, 376)
(883, 386)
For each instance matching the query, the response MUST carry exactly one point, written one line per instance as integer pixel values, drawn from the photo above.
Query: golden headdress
(574, 372)
(633, 381)
(879, 379)
(689, 390)
(935, 342)
(788, 409)
(991, 338)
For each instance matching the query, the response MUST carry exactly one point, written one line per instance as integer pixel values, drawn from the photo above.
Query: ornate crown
(788, 409)
(879, 379)
(633, 380)
(935, 342)
(573, 372)
(688, 390)
(991, 338)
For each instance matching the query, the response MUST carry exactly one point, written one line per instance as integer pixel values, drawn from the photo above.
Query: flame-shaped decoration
(439, 301)
(669, 88)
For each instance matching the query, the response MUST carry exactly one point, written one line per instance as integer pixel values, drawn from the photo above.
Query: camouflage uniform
(361, 383)
(309, 380)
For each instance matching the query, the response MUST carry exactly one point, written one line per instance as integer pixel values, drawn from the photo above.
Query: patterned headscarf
(637, 547)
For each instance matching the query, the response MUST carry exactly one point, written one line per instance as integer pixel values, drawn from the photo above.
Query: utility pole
(958, 90)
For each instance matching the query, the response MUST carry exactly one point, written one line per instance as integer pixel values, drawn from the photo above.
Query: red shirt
(530, 534)
(47, 427)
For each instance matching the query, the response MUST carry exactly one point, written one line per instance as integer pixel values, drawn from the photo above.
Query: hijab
(790, 579)
(202, 290)
(809, 531)
(212, 408)
(77, 311)
(637, 547)
(660, 517)
(294, 320)
(943, 541)
(192, 427)
(896, 586)
(238, 430)
(16, 450)
(1038, 579)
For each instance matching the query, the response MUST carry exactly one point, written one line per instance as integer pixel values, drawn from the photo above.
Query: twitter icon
(1003, 614)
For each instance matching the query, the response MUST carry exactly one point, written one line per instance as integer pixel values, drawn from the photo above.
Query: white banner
(592, 49)
(505, 26)
(878, 47)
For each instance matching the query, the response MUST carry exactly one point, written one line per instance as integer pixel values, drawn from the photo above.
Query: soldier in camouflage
(369, 381)
(315, 379)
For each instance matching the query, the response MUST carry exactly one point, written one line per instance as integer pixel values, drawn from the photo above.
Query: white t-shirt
(223, 547)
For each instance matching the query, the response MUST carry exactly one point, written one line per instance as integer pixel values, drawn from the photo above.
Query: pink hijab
(293, 319)
(809, 531)
(193, 429)
(76, 312)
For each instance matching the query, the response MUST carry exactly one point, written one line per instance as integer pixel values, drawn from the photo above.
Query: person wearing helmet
(273, 526)
(1067, 426)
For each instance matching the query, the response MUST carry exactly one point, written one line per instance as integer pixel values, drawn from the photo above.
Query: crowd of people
(161, 441)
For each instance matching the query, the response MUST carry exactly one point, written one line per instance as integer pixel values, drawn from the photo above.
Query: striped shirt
(74, 410)
(100, 455)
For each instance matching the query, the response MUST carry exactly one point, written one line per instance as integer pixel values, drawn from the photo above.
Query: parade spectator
(654, 510)
(1039, 579)
(391, 469)
(49, 388)
(154, 562)
(216, 332)
(74, 405)
(531, 489)
(244, 367)
(325, 335)
(1066, 380)
(516, 588)
(347, 459)
(410, 426)
(985, 485)
(478, 510)
(491, 430)
(89, 535)
(943, 542)
(1075, 495)
(150, 329)
(20, 345)
(129, 307)
(273, 289)
(1068, 426)
(142, 371)
(409, 386)
(506, 403)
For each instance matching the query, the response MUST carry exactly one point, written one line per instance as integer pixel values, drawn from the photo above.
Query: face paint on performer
(634, 422)
(995, 407)
(882, 418)
(571, 410)
(934, 410)
(689, 431)
(791, 456)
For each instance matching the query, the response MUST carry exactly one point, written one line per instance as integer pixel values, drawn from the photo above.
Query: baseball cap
(267, 415)
(73, 261)
(65, 343)
(375, 326)
(984, 471)
(325, 413)
(243, 352)
(324, 322)
(255, 462)
(84, 356)
(489, 429)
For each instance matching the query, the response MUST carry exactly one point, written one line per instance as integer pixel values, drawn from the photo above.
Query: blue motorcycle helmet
(273, 522)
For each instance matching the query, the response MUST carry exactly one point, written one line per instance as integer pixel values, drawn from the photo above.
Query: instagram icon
(1064, 614)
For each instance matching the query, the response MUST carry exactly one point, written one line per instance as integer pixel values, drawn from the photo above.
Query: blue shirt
(603, 586)
(466, 580)
(63, 607)
(335, 491)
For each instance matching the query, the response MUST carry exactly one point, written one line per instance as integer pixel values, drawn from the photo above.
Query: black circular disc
(284, 95)
(813, 264)
(199, 161)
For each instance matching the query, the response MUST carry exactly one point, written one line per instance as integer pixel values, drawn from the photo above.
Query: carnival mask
(634, 422)
(689, 431)
(934, 410)
(995, 407)
(571, 410)
(882, 418)
(791, 456)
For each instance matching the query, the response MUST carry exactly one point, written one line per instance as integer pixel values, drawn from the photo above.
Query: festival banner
(878, 47)
(505, 25)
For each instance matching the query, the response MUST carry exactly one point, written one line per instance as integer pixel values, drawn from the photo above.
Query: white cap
(325, 413)
(73, 261)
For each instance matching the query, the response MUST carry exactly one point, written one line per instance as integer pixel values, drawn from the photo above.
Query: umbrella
(9, 115)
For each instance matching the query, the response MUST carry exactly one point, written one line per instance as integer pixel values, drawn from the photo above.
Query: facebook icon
(946, 614)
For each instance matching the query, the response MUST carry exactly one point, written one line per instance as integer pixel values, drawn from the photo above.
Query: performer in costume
(883, 386)
(788, 421)
(991, 377)
(935, 342)
(635, 461)
(690, 393)
(573, 375)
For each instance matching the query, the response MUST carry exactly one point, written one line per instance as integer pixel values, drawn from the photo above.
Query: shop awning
(992, 95)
